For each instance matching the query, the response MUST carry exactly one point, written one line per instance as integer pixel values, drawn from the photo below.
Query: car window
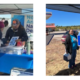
(67, 32)
(76, 32)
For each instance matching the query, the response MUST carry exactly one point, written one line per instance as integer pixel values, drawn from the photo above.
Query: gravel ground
(55, 65)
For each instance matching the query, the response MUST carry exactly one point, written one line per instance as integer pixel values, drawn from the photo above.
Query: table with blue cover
(9, 61)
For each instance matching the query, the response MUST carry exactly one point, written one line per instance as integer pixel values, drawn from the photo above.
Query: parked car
(65, 35)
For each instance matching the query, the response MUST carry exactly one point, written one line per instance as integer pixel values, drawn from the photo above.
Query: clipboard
(13, 41)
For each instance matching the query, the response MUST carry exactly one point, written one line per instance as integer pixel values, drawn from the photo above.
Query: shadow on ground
(75, 71)
(4, 74)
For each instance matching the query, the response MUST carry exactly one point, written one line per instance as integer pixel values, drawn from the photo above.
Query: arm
(0, 35)
(24, 34)
(77, 42)
(24, 37)
(7, 35)
(67, 44)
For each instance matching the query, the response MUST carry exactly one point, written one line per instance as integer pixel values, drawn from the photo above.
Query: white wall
(9, 21)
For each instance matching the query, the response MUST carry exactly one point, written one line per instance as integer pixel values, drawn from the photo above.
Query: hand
(66, 53)
(46, 34)
(23, 43)
(7, 41)
(6, 44)
(18, 40)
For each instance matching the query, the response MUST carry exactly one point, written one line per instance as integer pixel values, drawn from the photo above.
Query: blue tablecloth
(9, 61)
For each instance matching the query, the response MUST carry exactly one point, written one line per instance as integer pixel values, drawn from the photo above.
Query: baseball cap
(15, 22)
(1, 24)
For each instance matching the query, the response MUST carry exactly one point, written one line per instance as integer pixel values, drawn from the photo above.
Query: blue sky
(5, 16)
(62, 18)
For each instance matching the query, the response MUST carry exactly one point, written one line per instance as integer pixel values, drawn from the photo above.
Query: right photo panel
(62, 39)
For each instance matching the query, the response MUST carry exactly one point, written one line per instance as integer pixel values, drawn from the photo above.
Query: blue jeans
(72, 61)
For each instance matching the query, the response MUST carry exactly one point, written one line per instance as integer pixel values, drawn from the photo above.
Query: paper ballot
(13, 41)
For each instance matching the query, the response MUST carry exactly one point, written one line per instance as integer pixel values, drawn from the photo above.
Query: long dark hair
(5, 23)
(21, 25)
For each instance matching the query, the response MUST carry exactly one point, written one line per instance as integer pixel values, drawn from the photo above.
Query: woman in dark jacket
(16, 30)
(71, 47)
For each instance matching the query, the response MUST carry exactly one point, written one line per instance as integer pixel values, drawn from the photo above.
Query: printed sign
(29, 24)
(78, 40)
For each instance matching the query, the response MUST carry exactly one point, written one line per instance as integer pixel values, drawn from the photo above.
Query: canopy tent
(16, 8)
(64, 7)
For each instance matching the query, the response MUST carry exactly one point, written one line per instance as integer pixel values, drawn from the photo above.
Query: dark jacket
(68, 44)
(3, 40)
(19, 32)
(0, 34)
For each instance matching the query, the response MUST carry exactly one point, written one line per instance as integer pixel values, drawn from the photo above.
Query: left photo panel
(16, 40)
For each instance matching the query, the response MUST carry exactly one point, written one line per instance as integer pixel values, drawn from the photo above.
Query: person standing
(71, 47)
(1, 29)
(5, 28)
(46, 31)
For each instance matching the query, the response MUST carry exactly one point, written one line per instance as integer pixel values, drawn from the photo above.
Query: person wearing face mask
(16, 30)
(71, 47)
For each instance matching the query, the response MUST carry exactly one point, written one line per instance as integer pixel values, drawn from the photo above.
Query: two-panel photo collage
(62, 39)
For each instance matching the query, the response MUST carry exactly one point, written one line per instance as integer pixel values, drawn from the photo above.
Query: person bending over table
(16, 30)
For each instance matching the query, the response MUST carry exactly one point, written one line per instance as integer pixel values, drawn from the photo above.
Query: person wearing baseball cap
(16, 30)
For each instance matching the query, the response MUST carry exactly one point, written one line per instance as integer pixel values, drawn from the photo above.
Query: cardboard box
(66, 57)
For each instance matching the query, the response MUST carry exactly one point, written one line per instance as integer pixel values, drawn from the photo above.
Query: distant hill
(77, 27)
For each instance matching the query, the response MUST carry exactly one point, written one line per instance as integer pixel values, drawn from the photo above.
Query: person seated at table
(16, 30)
(1, 29)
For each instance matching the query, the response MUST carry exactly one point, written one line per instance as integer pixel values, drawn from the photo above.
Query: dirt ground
(55, 65)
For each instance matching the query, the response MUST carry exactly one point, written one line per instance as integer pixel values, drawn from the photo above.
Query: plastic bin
(21, 72)
(12, 50)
